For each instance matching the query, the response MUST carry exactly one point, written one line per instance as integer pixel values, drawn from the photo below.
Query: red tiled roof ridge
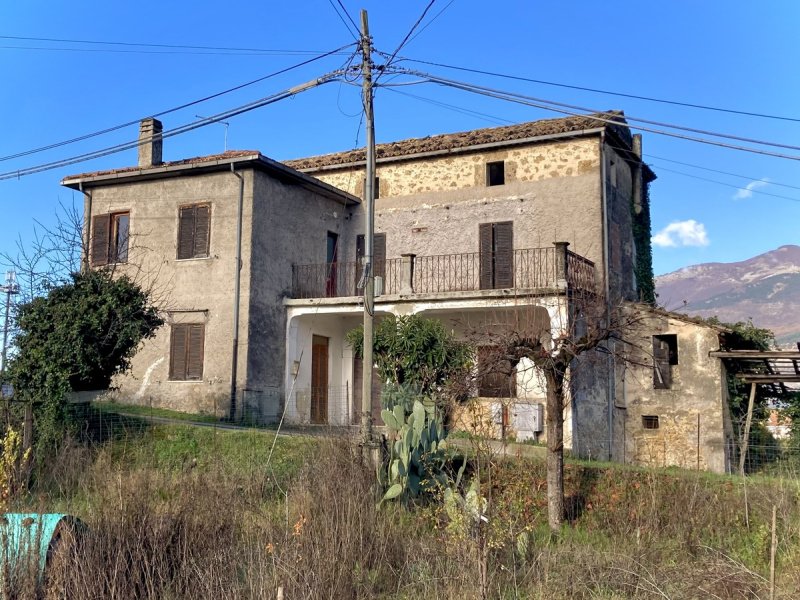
(464, 139)
(171, 163)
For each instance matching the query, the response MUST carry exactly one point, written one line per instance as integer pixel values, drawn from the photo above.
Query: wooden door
(331, 261)
(319, 379)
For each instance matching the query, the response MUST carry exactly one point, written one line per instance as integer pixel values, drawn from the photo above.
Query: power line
(354, 33)
(148, 45)
(499, 119)
(405, 39)
(685, 164)
(547, 105)
(730, 185)
(429, 23)
(193, 52)
(607, 92)
(327, 78)
(452, 107)
(629, 118)
(175, 109)
(347, 14)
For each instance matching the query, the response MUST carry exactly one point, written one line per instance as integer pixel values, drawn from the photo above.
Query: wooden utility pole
(369, 205)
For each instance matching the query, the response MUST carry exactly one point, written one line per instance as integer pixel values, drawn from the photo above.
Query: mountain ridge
(764, 288)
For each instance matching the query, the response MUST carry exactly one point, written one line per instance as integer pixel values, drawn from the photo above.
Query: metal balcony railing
(525, 269)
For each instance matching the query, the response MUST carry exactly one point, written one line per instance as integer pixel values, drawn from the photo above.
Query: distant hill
(765, 288)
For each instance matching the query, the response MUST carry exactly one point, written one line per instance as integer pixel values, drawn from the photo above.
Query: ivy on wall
(643, 268)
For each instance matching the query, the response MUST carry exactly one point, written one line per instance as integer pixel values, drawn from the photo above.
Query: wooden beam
(748, 421)
(756, 354)
(768, 378)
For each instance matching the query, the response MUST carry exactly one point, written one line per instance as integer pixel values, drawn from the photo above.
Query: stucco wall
(194, 290)
(291, 226)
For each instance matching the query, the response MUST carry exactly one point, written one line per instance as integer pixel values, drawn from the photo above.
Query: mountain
(765, 288)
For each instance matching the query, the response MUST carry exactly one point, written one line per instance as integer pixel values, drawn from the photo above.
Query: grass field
(178, 511)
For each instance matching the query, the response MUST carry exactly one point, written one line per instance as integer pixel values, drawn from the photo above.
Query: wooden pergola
(775, 368)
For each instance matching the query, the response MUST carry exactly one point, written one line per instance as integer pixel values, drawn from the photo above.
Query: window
(194, 229)
(665, 354)
(496, 255)
(186, 351)
(110, 238)
(650, 421)
(496, 173)
(496, 377)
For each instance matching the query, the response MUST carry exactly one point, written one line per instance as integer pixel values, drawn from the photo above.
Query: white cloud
(747, 191)
(681, 233)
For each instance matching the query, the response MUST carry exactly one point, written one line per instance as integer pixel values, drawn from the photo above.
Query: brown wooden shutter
(379, 255)
(177, 352)
(202, 230)
(662, 374)
(101, 231)
(486, 255)
(194, 356)
(504, 255)
(186, 232)
(359, 270)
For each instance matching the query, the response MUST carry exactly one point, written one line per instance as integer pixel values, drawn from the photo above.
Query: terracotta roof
(475, 137)
(174, 163)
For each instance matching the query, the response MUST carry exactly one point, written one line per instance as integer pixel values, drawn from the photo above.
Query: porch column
(407, 274)
(562, 264)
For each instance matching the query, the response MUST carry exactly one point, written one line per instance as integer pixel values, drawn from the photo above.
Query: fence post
(407, 274)
(562, 264)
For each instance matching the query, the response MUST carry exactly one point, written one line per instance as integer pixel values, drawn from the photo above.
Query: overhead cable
(554, 107)
(607, 92)
(174, 109)
(327, 78)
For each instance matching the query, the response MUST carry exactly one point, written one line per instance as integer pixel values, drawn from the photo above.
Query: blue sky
(738, 55)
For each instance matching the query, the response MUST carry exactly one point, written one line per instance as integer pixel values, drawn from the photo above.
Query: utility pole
(369, 201)
(9, 289)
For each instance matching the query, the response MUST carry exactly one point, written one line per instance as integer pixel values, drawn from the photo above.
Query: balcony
(527, 269)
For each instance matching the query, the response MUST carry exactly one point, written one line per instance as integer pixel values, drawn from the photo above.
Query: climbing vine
(644, 249)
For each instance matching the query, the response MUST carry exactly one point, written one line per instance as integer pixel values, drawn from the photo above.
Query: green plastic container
(23, 535)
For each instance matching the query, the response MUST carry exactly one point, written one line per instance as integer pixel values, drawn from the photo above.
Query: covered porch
(324, 378)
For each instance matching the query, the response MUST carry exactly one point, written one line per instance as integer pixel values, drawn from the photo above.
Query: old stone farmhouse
(471, 228)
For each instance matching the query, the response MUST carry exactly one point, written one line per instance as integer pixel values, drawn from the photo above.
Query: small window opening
(496, 173)
(665, 355)
(650, 421)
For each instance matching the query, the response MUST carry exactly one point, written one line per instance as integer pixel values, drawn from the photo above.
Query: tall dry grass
(213, 533)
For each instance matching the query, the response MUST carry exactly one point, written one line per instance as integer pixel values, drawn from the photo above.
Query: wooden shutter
(101, 232)
(496, 378)
(186, 232)
(194, 355)
(662, 375)
(202, 229)
(504, 255)
(379, 255)
(486, 255)
(177, 351)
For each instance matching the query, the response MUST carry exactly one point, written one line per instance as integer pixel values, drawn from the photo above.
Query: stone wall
(693, 421)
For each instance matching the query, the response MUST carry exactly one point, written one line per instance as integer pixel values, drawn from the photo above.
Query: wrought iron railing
(530, 268)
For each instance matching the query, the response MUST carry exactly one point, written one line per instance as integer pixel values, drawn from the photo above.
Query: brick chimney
(150, 143)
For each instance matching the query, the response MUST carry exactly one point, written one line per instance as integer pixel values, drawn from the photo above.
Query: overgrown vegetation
(183, 512)
(76, 338)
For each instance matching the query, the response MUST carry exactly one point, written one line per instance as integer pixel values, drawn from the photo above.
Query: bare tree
(576, 332)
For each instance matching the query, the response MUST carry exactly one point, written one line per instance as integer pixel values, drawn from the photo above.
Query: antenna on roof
(222, 123)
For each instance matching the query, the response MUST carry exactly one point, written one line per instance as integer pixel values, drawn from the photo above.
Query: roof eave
(255, 160)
